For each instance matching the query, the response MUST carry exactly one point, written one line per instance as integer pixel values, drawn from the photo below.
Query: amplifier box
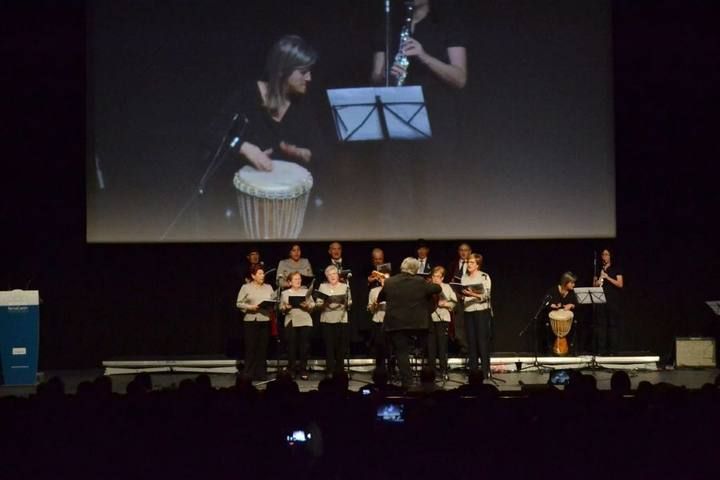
(695, 352)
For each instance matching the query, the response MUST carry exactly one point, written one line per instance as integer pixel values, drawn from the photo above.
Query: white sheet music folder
(356, 116)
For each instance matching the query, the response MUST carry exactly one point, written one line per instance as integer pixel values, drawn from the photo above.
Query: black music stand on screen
(380, 113)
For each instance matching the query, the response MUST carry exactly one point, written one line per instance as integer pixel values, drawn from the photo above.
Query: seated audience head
(620, 383)
(427, 375)
(145, 380)
(380, 377)
(341, 380)
(475, 377)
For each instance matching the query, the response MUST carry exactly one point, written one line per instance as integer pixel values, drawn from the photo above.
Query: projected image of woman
(279, 125)
(279, 144)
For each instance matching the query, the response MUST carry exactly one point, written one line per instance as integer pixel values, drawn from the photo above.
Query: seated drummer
(561, 296)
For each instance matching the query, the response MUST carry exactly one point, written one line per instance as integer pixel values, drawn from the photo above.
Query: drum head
(561, 315)
(286, 180)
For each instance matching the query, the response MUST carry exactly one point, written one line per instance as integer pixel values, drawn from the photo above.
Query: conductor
(407, 312)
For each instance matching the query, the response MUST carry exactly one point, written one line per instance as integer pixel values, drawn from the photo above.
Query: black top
(612, 293)
(436, 34)
(299, 126)
(555, 297)
(408, 300)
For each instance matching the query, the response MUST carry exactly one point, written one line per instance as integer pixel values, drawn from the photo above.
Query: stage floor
(514, 381)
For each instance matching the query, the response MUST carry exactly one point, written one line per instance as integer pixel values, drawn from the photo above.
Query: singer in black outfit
(610, 277)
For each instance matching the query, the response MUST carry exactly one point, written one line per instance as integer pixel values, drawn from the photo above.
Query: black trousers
(477, 326)
(402, 342)
(438, 345)
(298, 345)
(607, 329)
(380, 346)
(336, 343)
(460, 329)
(257, 335)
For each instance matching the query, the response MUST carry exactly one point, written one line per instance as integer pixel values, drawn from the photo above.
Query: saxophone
(401, 60)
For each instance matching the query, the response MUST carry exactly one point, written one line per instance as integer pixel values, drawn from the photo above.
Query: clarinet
(401, 59)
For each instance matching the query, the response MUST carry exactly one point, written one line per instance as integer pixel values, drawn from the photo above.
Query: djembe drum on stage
(561, 323)
(272, 204)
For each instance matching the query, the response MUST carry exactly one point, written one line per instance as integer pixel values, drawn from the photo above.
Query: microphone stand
(348, 276)
(534, 322)
(216, 160)
(387, 43)
(493, 379)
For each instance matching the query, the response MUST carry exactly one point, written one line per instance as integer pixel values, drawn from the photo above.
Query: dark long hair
(287, 55)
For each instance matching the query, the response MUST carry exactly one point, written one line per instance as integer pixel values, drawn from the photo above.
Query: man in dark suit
(407, 313)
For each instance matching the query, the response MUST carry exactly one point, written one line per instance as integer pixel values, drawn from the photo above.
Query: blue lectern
(19, 334)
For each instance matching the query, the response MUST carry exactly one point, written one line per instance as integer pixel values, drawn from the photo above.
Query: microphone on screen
(237, 129)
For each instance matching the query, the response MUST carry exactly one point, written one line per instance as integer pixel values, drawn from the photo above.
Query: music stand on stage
(380, 113)
(591, 296)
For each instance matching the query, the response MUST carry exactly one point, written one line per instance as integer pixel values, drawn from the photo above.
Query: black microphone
(237, 128)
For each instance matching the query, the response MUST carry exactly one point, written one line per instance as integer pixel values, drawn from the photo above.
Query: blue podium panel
(19, 336)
